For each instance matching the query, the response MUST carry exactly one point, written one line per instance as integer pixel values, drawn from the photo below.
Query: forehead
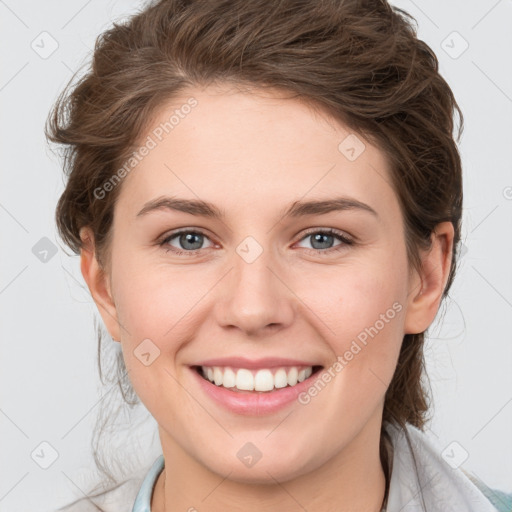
(224, 145)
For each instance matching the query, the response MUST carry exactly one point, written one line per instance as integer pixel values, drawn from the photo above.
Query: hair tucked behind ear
(360, 61)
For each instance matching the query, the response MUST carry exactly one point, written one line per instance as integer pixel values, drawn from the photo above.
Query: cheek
(150, 299)
(147, 307)
(160, 310)
(362, 312)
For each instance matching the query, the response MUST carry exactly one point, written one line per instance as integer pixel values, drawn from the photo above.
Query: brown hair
(360, 61)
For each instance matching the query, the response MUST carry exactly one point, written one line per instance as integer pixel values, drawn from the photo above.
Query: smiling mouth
(265, 380)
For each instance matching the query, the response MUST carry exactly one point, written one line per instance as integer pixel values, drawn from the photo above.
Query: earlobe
(426, 289)
(98, 283)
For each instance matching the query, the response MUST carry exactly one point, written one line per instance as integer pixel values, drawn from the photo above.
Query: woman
(266, 198)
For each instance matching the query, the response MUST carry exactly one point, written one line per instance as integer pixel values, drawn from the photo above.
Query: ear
(98, 283)
(426, 287)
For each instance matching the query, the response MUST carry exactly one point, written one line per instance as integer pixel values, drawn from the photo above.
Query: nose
(254, 296)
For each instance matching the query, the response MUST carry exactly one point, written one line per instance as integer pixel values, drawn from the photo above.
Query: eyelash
(333, 232)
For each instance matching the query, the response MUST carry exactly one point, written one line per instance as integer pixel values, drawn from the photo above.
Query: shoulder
(422, 468)
(502, 501)
(132, 494)
(116, 499)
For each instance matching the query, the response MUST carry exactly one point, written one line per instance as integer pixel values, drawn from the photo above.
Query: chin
(266, 470)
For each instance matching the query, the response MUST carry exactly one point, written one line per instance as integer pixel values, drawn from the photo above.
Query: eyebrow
(192, 206)
(296, 209)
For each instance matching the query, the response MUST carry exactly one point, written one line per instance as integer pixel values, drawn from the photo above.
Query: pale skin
(252, 155)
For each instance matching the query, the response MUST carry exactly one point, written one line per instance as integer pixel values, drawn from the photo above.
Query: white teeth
(292, 376)
(244, 380)
(264, 381)
(280, 378)
(229, 379)
(217, 376)
(256, 380)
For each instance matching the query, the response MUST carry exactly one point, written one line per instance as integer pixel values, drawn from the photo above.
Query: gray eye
(191, 241)
(321, 240)
(188, 241)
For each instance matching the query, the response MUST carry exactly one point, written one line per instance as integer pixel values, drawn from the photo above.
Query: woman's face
(259, 276)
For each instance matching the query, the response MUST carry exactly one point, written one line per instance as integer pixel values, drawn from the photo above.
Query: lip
(254, 364)
(252, 403)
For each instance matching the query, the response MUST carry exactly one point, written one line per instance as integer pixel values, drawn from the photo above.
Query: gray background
(49, 386)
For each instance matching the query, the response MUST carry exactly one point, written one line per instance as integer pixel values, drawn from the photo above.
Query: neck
(351, 480)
